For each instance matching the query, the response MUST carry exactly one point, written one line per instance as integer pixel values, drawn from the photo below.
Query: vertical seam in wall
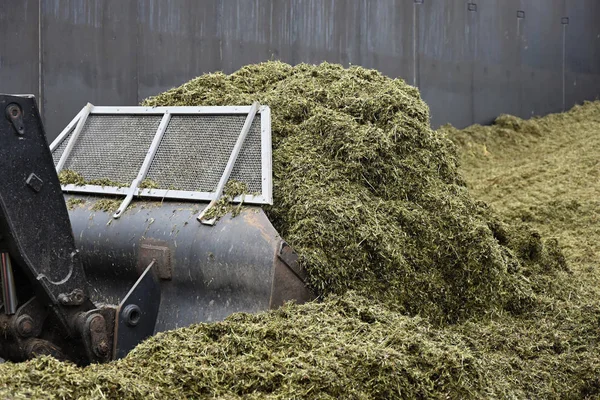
(564, 57)
(137, 51)
(564, 43)
(415, 44)
(363, 30)
(220, 32)
(40, 61)
(472, 22)
(519, 77)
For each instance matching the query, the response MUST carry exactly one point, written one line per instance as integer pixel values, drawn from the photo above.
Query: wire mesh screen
(113, 147)
(195, 149)
(189, 161)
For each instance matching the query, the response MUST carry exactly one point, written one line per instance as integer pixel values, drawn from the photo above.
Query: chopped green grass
(368, 194)
(106, 205)
(343, 348)
(70, 177)
(74, 202)
(224, 206)
(67, 176)
(427, 292)
(148, 184)
(543, 173)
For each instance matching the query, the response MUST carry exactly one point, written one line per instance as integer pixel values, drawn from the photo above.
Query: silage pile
(369, 195)
(543, 171)
(373, 201)
(343, 348)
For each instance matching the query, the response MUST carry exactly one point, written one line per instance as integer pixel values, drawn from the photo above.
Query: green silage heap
(373, 201)
(369, 195)
(344, 348)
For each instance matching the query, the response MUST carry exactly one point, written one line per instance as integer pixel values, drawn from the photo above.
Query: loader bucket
(206, 272)
(164, 166)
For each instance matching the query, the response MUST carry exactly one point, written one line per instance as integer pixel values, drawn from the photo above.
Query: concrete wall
(472, 59)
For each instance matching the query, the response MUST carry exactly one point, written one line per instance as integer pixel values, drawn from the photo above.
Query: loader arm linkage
(88, 285)
(46, 307)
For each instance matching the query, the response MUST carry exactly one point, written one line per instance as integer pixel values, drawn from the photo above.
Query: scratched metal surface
(472, 59)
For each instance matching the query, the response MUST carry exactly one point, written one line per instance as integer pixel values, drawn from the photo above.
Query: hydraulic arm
(46, 305)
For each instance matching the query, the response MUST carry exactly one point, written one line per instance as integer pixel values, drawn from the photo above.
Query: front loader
(83, 282)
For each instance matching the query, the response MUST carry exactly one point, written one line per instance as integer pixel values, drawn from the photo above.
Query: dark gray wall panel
(541, 58)
(244, 32)
(89, 53)
(325, 30)
(387, 38)
(446, 61)
(496, 69)
(19, 62)
(176, 41)
(472, 59)
(582, 44)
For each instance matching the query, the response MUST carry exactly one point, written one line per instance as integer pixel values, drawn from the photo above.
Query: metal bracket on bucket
(232, 159)
(137, 313)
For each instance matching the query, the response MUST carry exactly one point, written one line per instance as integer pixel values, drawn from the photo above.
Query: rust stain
(253, 218)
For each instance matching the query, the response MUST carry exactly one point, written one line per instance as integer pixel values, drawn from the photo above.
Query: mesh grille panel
(112, 146)
(188, 162)
(195, 149)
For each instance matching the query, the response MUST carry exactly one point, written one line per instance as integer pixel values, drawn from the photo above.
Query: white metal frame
(265, 197)
(230, 163)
